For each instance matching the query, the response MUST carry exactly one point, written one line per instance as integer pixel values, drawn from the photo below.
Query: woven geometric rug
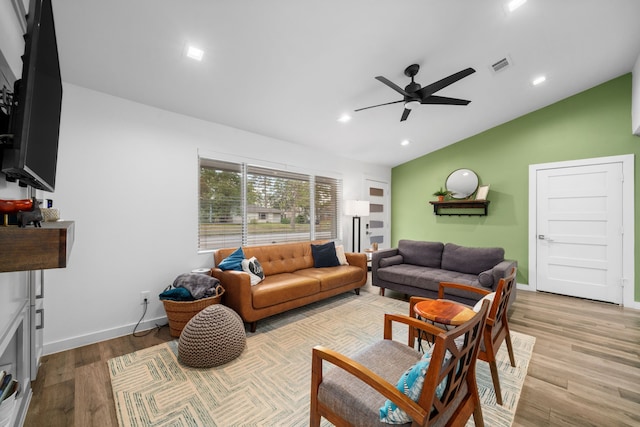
(269, 384)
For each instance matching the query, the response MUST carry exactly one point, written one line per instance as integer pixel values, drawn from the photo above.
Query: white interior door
(579, 231)
(377, 228)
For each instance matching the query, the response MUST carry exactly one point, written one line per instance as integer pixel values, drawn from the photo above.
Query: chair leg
(478, 420)
(314, 419)
(496, 381)
(512, 358)
(381, 291)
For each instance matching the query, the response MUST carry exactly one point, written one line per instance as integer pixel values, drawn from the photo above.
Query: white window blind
(243, 204)
(221, 205)
(284, 198)
(327, 195)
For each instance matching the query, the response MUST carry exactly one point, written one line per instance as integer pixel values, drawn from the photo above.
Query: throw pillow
(486, 278)
(324, 255)
(233, 261)
(342, 258)
(488, 297)
(253, 267)
(410, 383)
(391, 260)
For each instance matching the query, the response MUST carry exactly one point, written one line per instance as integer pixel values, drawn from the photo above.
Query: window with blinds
(243, 204)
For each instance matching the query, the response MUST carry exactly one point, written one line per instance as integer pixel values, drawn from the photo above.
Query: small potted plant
(441, 194)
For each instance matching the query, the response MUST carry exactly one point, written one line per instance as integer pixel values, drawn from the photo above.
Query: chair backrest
(500, 306)
(454, 360)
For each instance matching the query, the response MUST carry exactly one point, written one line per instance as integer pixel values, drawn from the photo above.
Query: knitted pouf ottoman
(212, 337)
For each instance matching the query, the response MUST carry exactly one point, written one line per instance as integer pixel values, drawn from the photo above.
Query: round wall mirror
(462, 183)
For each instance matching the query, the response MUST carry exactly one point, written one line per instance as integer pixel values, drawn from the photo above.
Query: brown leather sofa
(290, 281)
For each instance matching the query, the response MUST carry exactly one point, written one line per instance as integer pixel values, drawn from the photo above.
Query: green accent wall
(593, 123)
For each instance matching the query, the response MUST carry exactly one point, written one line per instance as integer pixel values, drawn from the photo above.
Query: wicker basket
(180, 312)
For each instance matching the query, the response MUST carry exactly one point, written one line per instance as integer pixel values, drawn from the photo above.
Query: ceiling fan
(414, 94)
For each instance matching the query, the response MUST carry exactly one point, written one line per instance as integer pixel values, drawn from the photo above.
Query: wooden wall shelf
(480, 207)
(33, 248)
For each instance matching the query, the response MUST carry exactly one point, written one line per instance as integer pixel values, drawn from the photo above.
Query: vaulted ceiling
(288, 69)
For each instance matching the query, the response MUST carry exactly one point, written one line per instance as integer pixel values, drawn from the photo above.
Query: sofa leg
(382, 291)
(357, 291)
(253, 326)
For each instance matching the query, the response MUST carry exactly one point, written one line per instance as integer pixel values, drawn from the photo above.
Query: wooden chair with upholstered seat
(497, 325)
(354, 391)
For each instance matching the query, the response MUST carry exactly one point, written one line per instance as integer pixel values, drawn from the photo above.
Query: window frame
(242, 235)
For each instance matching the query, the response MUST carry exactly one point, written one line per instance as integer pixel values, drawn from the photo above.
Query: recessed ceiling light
(195, 53)
(344, 118)
(538, 80)
(514, 4)
(405, 142)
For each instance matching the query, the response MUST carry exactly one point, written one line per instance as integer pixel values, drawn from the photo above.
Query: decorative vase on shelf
(13, 207)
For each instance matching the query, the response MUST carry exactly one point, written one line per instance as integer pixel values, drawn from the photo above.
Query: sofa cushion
(391, 260)
(486, 278)
(253, 267)
(279, 288)
(355, 400)
(426, 254)
(411, 383)
(470, 260)
(281, 257)
(334, 277)
(429, 279)
(233, 261)
(489, 297)
(342, 258)
(324, 255)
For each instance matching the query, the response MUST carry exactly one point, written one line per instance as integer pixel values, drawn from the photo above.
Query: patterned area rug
(268, 385)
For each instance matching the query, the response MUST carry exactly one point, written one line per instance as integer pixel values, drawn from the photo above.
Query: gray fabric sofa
(416, 268)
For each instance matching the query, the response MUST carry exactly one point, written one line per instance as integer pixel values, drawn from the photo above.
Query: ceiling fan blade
(380, 105)
(444, 100)
(440, 84)
(392, 85)
(405, 114)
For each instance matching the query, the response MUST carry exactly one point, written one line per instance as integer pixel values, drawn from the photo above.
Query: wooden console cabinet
(33, 248)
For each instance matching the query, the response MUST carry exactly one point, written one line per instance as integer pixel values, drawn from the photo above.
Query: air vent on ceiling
(501, 64)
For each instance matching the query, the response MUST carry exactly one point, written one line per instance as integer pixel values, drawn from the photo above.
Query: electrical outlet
(144, 295)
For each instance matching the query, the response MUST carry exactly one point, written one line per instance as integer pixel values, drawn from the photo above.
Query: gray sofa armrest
(378, 255)
(502, 270)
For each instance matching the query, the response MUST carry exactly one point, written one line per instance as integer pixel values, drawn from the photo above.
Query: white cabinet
(15, 343)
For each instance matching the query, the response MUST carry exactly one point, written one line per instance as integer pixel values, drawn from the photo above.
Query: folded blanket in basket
(176, 294)
(199, 285)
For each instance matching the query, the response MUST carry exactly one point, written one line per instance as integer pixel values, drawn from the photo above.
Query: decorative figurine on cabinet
(34, 215)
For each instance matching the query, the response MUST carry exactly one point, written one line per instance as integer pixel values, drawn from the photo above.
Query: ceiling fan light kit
(414, 94)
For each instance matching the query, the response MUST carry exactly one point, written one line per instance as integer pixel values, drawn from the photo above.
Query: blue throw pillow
(233, 261)
(410, 383)
(324, 255)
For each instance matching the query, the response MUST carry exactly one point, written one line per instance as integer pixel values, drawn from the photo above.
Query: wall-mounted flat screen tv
(32, 154)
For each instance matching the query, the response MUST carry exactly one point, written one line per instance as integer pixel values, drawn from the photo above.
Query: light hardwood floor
(585, 368)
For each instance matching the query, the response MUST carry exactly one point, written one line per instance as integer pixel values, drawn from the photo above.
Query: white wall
(128, 176)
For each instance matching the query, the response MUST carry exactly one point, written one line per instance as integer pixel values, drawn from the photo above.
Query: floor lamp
(356, 209)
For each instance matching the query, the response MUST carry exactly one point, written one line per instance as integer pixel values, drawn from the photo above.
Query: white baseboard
(107, 334)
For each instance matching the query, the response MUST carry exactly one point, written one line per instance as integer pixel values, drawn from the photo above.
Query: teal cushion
(410, 383)
(233, 261)
(324, 255)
